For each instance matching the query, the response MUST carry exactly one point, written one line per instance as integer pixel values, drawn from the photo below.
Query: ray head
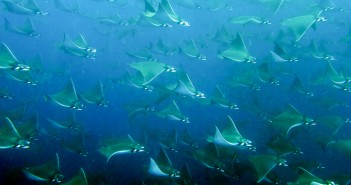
(103, 102)
(138, 149)
(274, 82)
(22, 144)
(82, 153)
(56, 178)
(321, 19)
(266, 22)
(34, 82)
(170, 69)
(77, 105)
(41, 13)
(199, 94)
(92, 50)
(246, 143)
(201, 57)
(282, 162)
(308, 121)
(149, 108)
(251, 59)
(233, 106)
(329, 58)
(185, 120)
(175, 174)
(8, 97)
(148, 88)
(166, 25)
(184, 23)
(293, 59)
(21, 67)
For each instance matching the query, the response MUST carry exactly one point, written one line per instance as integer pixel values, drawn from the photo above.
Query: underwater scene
(175, 92)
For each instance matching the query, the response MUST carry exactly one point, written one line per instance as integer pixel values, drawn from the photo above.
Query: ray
(162, 166)
(183, 90)
(78, 47)
(21, 76)
(171, 14)
(48, 172)
(10, 137)
(186, 88)
(265, 74)
(172, 112)
(263, 164)
(79, 179)
(29, 128)
(67, 97)
(162, 48)
(223, 36)
(5, 93)
(115, 20)
(280, 55)
(165, 163)
(320, 52)
(306, 177)
(163, 93)
(297, 86)
(187, 139)
(230, 136)
(67, 123)
(289, 119)
(160, 18)
(52, 130)
(27, 29)
(248, 19)
(329, 102)
(333, 75)
(344, 86)
(36, 64)
(300, 24)
(16, 114)
(9, 61)
(149, 10)
(255, 107)
(281, 146)
(113, 147)
(143, 54)
(30, 8)
(191, 50)
(75, 143)
(214, 5)
(343, 146)
(73, 7)
(151, 70)
(237, 52)
(247, 78)
(208, 156)
(186, 175)
(275, 5)
(169, 140)
(155, 21)
(155, 170)
(333, 123)
(95, 96)
(135, 80)
(137, 110)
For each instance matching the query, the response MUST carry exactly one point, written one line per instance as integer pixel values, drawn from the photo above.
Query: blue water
(112, 63)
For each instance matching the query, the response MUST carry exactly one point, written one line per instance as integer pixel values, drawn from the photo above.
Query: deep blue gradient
(112, 63)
